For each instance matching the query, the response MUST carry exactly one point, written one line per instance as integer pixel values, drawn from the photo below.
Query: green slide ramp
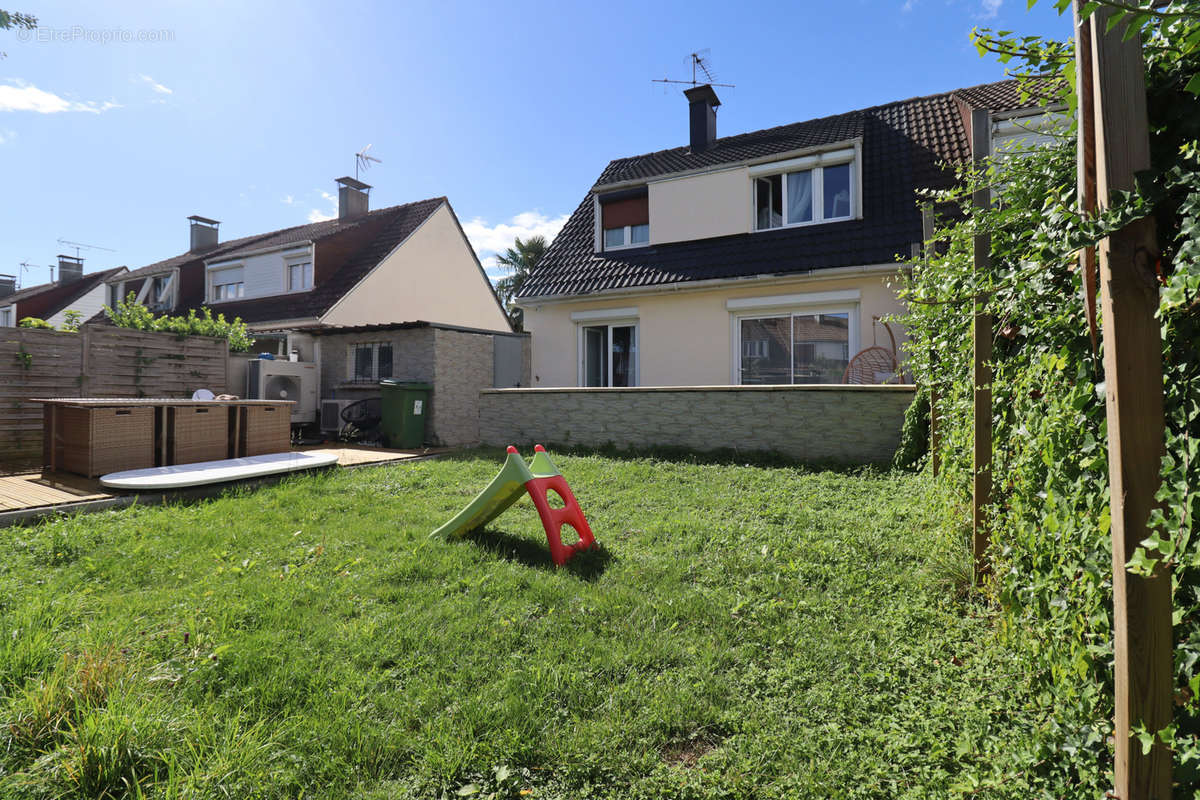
(504, 490)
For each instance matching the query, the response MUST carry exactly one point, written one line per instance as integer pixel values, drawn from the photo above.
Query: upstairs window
(160, 290)
(625, 219)
(815, 191)
(299, 276)
(227, 284)
(627, 236)
(6, 318)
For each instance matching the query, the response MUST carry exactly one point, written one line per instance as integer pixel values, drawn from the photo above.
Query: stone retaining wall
(844, 424)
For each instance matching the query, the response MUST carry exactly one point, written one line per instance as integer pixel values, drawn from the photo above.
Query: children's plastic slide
(540, 478)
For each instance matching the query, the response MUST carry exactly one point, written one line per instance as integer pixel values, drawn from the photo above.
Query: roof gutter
(830, 273)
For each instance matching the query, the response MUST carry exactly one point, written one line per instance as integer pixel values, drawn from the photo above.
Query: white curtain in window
(799, 190)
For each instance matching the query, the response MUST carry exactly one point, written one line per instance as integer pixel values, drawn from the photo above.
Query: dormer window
(625, 219)
(227, 284)
(805, 191)
(626, 236)
(299, 276)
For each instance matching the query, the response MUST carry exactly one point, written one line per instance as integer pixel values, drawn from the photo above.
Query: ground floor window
(609, 355)
(799, 347)
(370, 361)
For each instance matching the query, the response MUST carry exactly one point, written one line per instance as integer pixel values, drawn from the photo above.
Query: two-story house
(400, 264)
(761, 258)
(72, 292)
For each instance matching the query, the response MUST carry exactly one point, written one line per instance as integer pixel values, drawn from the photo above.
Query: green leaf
(468, 790)
(1113, 21)
(1193, 86)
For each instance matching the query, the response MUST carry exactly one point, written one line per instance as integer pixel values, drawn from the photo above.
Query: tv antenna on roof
(81, 245)
(701, 68)
(363, 161)
(26, 266)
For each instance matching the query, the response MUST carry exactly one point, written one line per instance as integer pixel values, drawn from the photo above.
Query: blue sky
(119, 120)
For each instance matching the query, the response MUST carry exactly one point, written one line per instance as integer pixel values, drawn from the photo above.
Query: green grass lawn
(743, 631)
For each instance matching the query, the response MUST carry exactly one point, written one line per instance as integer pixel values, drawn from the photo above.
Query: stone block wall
(842, 424)
(463, 365)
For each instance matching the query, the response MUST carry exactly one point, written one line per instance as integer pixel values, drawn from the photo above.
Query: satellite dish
(202, 394)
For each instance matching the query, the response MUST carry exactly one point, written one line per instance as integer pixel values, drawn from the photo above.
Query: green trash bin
(405, 407)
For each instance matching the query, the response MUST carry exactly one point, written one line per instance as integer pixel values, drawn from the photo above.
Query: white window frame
(610, 318)
(6, 315)
(627, 238)
(816, 163)
(352, 361)
(213, 284)
(301, 262)
(166, 294)
(781, 306)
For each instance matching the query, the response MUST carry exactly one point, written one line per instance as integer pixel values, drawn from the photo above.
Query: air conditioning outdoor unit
(285, 380)
(331, 414)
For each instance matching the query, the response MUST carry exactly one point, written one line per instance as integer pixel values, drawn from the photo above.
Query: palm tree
(520, 259)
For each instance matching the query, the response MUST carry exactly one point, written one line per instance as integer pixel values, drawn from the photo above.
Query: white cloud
(155, 85)
(288, 200)
(7, 136)
(988, 9)
(488, 240)
(317, 215)
(908, 5)
(22, 96)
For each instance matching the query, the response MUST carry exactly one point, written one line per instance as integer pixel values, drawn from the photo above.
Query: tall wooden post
(1134, 399)
(935, 396)
(981, 334)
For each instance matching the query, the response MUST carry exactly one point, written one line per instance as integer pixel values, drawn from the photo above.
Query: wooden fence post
(1134, 401)
(85, 346)
(981, 379)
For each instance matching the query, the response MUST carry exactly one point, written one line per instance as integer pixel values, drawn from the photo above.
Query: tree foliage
(520, 259)
(1050, 511)
(129, 313)
(15, 19)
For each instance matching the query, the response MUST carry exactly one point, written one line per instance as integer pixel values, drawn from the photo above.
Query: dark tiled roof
(375, 236)
(47, 299)
(234, 248)
(904, 144)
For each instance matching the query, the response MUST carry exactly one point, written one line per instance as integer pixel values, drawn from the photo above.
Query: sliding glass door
(609, 355)
(794, 348)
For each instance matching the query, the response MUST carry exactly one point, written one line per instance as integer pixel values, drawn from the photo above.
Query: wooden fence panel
(127, 363)
(96, 362)
(33, 363)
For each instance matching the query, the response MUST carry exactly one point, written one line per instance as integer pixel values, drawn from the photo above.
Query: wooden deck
(33, 491)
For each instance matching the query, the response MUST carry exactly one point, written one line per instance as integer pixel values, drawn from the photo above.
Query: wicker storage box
(197, 433)
(265, 429)
(103, 439)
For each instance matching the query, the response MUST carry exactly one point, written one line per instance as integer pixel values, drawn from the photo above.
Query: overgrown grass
(744, 631)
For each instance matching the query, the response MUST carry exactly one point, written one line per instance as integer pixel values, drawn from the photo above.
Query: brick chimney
(353, 201)
(702, 116)
(203, 234)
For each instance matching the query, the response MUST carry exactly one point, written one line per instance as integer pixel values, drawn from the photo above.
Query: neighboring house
(761, 258)
(393, 293)
(72, 291)
(399, 264)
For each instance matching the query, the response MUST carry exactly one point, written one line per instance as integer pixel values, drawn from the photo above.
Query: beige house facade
(772, 257)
